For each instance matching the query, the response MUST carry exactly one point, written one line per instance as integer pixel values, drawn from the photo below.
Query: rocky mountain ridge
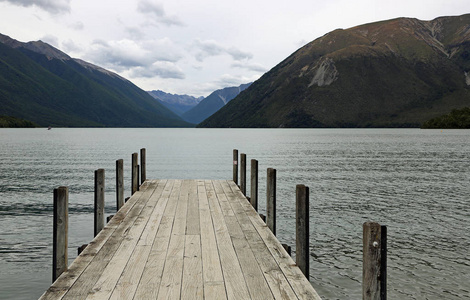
(394, 73)
(212, 103)
(179, 104)
(42, 84)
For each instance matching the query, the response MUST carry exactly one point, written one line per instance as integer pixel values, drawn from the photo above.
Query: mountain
(456, 119)
(178, 104)
(212, 103)
(41, 84)
(395, 73)
(12, 122)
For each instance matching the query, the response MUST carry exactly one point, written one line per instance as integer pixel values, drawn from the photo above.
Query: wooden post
(373, 261)
(271, 200)
(302, 254)
(99, 201)
(138, 177)
(235, 166)
(254, 184)
(263, 217)
(119, 184)
(287, 248)
(81, 248)
(243, 173)
(60, 231)
(134, 170)
(143, 167)
(383, 263)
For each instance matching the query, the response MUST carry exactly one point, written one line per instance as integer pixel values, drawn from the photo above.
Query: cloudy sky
(196, 47)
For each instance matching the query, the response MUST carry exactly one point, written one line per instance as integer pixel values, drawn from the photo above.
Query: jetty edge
(187, 239)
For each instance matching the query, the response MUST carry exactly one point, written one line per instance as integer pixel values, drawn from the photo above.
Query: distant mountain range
(212, 103)
(395, 73)
(179, 104)
(41, 84)
(195, 110)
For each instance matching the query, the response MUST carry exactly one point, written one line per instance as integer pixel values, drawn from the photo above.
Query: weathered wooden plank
(71, 280)
(130, 278)
(149, 284)
(215, 290)
(275, 278)
(95, 269)
(192, 286)
(150, 253)
(212, 270)
(192, 224)
(301, 286)
(234, 280)
(148, 236)
(170, 285)
(111, 274)
(254, 277)
(222, 199)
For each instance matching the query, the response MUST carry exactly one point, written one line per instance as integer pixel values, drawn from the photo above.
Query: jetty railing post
(383, 263)
(243, 173)
(99, 201)
(271, 199)
(135, 172)
(302, 254)
(119, 184)
(60, 231)
(254, 184)
(235, 166)
(373, 262)
(143, 168)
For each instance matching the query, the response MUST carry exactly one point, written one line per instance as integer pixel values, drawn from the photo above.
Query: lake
(414, 181)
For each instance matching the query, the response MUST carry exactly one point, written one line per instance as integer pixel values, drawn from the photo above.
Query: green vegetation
(456, 119)
(394, 73)
(66, 93)
(12, 122)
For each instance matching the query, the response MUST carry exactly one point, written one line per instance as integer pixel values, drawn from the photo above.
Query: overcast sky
(196, 47)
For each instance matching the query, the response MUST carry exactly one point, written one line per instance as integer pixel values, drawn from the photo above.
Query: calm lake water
(414, 181)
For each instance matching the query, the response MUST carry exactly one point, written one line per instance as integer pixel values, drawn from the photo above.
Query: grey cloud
(70, 46)
(229, 80)
(134, 33)
(157, 13)
(148, 58)
(51, 40)
(206, 49)
(77, 25)
(51, 6)
(238, 54)
(159, 69)
(255, 67)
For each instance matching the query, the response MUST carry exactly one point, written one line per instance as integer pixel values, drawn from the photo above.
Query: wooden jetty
(184, 239)
(195, 239)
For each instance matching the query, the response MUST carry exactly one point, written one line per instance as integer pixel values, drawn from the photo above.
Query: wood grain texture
(119, 184)
(184, 239)
(60, 231)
